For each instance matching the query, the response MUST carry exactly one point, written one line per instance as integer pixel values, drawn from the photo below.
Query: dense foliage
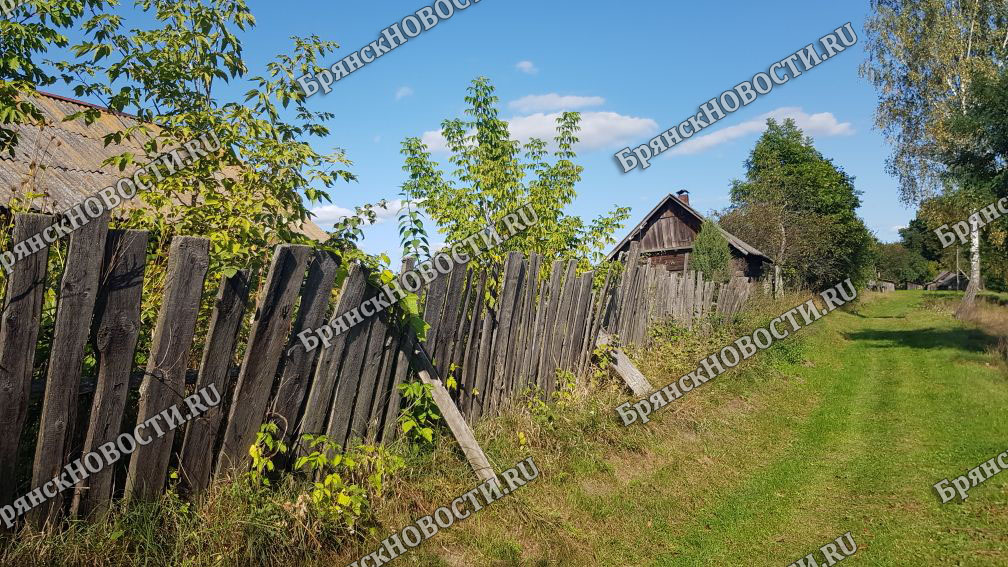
(492, 175)
(896, 263)
(711, 255)
(798, 207)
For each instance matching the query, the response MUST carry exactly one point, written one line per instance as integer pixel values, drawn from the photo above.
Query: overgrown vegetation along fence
(648, 294)
(493, 332)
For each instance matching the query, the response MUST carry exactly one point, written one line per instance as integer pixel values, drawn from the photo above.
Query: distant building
(881, 285)
(666, 237)
(947, 280)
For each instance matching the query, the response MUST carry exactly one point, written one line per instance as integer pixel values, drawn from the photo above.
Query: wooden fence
(497, 332)
(648, 294)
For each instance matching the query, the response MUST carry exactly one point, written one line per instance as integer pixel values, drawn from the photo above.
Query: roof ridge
(87, 104)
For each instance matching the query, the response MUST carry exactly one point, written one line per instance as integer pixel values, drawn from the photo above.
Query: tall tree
(798, 206)
(894, 262)
(493, 175)
(922, 57)
(918, 238)
(978, 165)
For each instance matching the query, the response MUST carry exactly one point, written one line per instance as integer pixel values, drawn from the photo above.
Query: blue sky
(633, 69)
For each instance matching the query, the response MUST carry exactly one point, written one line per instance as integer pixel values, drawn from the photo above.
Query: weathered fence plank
(526, 322)
(298, 364)
(367, 387)
(348, 379)
(269, 333)
(451, 415)
(443, 350)
(381, 405)
(505, 311)
(632, 377)
(575, 344)
(202, 435)
(320, 397)
(164, 382)
(115, 330)
(484, 357)
(545, 373)
(468, 382)
(22, 311)
(559, 333)
(75, 304)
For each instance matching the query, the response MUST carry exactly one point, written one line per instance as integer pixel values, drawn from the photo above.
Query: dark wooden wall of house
(678, 261)
(672, 229)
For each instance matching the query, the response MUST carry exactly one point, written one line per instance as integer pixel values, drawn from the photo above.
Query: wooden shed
(947, 280)
(666, 238)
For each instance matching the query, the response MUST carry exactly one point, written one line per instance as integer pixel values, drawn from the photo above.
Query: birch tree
(922, 57)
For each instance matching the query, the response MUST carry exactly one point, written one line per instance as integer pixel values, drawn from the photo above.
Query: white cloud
(598, 130)
(527, 67)
(403, 92)
(327, 215)
(819, 124)
(553, 101)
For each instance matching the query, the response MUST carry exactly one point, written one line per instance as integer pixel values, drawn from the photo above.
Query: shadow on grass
(969, 340)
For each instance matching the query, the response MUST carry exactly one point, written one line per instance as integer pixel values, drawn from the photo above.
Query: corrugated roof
(62, 161)
(733, 240)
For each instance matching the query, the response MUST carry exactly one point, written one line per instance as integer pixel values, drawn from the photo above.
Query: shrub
(711, 255)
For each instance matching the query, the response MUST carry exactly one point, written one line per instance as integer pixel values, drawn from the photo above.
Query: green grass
(762, 471)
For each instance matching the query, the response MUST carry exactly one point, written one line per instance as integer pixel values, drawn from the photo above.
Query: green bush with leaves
(711, 255)
(347, 482)
(420, 416)
(492, 175)
(342, 485)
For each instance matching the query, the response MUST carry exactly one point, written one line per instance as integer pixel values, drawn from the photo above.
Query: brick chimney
(683, 196)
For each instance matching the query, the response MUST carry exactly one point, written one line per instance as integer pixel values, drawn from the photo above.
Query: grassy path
(889, 401)
(902, 399)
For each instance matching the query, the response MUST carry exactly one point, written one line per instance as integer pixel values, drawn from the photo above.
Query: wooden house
(947, 280)
(666, 238)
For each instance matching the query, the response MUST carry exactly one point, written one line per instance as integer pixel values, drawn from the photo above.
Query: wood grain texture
(559, 334)
(19, 327)
(298, 364)
(367, 387)
(635, 381)
(349, 379)
(202, 435)
(485, 356)
(505, 311)
(471, 357)
(115, 329)
(164, 382)
(544, 375)
(453, 418)
(75, 305)
(323, 387)
(270, 330)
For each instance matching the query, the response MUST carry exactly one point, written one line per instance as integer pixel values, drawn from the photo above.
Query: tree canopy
(491, 175)
(799, 207)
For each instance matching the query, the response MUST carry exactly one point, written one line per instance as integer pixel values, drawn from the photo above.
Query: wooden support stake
(633, 378)
(452, 416)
